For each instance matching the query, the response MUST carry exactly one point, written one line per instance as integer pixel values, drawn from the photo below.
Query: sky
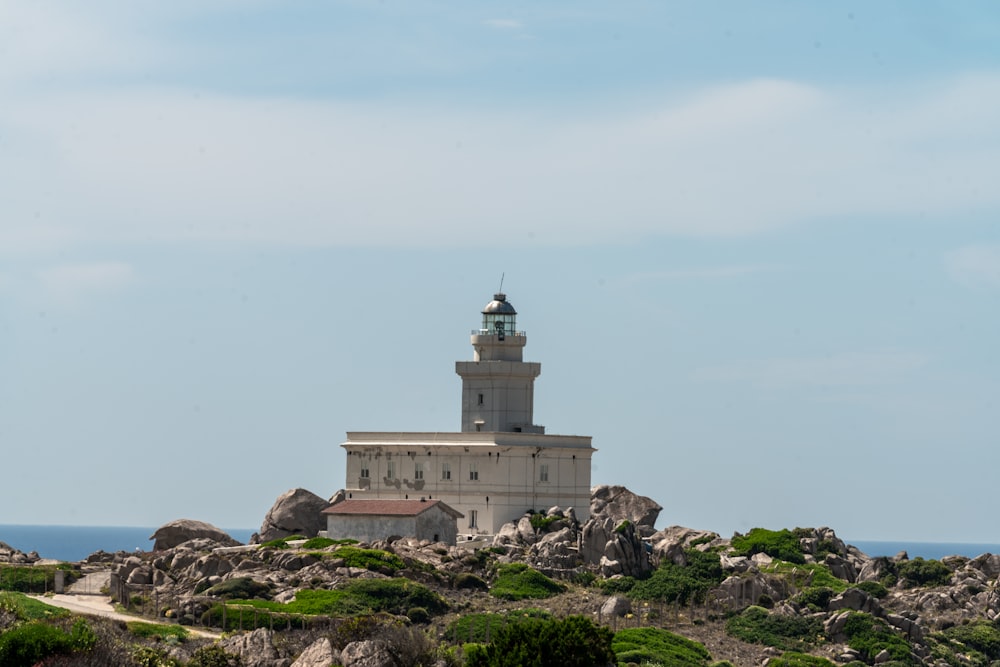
(755, 247)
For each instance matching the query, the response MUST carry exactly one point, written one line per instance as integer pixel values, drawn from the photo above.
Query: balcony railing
(487, 332)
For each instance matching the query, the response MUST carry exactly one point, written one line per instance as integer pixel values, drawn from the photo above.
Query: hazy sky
(755, 247)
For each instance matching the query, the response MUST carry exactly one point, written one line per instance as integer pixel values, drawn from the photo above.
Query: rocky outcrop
(179, 531)
(319, 654)
(9, 554)
(368, 653)
(256, 649)
(295, 512)
(619, 504)
(670, 543)
(615, 547)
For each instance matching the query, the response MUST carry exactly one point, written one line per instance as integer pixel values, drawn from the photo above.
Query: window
(473, 472)
(364, 471)
(543, 472)
(418, 470)
(390, 469)
(480, 399)
(446, 470)
(473, 518)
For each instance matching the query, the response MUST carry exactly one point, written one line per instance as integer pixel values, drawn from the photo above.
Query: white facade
(500, 465)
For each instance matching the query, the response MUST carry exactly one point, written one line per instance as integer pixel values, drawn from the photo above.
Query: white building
(501, 464)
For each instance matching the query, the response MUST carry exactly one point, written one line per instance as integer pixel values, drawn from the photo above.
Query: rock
(256, 649)
(176, 532)
(625, 553)
(620, 504)
(670, 543)
(369, 653)
(319, 654)
(857, 600)
(295, 512)
(616, 606)
(742, 591)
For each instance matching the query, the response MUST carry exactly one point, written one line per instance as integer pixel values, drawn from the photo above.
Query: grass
(517, 581)
(29, 609)
(816, 574)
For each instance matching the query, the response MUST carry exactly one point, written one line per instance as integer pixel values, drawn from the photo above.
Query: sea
(75, 543)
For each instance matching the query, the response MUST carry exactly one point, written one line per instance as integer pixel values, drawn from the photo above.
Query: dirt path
(93, 605)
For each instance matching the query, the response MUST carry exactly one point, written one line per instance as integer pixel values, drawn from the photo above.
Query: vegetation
(369, 559)
(29, 643)
(920, 572)
(158, 631)
(571, 642)
(282, 542)
(23, 608)
(681, 583)
(240, 588)
(540, 521)
(815, 598)
(782, 544)
(807, 574)
(480, 628)
(616, 585)
(517, 581)
(793, 659)
(467, 580)
(656, 646)
(357, 597)
(870, 636)
(974, 644)
(33, 578)
(757, 625)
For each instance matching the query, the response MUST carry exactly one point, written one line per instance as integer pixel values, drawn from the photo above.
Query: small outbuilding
(370, 520)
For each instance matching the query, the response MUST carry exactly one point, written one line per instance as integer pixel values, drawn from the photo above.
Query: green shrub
(793, 659)
(33, 578)
(517, 581)
(807, 574)
(26, 645)
(240, 588)
(157, 630)
(213, 656)
(369, 559)
(873, 588)
(788, 633)
(418, 615)
(656, 646)
(616, 585)
(480, 628)
(920, 572)
(540, 522)
(469, 581)
(319, 543)
(681, 583)
(571, 642)
(870, 636)
(356, 597)
(976, 644)
(816, 598)
(781, 544)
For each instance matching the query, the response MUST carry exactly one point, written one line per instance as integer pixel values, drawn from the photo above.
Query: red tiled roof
(389, 507)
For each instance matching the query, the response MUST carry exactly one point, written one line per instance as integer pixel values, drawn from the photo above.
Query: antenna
(501, 283)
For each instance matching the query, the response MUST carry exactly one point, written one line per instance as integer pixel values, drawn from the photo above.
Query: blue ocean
(75, 543)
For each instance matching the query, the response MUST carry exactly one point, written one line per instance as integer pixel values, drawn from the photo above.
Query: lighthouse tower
(498, 466)
(498, 387)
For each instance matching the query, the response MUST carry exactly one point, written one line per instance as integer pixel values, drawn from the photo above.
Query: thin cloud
(975, 266)
(166, 165)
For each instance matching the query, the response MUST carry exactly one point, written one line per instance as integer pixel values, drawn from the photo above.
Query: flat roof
(469, 439)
